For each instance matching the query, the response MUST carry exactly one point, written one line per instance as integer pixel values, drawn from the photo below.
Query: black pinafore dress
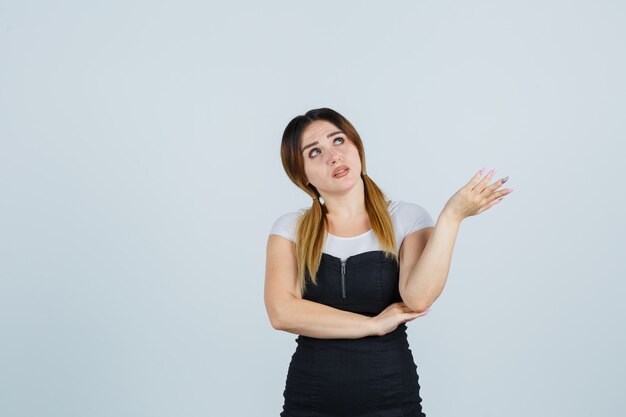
(373, 376)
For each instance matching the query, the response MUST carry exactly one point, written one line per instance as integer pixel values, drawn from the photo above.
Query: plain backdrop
(140, 174)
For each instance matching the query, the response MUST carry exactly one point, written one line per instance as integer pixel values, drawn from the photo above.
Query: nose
(334, 156)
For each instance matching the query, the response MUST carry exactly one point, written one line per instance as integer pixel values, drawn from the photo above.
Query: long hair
(312, 226)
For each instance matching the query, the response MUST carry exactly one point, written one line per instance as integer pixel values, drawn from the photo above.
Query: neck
(347, 205)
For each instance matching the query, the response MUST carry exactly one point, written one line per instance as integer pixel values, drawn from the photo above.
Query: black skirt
(373, 376)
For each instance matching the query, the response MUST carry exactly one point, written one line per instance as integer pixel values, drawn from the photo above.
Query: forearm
(428, 277)
(308, 318)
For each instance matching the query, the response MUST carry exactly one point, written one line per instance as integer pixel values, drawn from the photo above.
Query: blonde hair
(312, 226)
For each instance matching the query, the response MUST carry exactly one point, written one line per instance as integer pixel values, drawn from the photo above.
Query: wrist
(449, 217)
(370, 326)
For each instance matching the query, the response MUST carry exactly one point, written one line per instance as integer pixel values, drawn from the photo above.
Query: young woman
(350, 271)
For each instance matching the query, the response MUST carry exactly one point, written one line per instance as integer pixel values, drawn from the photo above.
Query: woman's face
(324, 149)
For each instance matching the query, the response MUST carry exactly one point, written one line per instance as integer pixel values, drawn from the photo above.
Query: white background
(140, 174)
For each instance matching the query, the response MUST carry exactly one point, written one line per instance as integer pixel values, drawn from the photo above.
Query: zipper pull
(343, 277)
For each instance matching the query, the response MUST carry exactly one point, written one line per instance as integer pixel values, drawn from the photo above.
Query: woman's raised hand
(391, 317)
(476, 196)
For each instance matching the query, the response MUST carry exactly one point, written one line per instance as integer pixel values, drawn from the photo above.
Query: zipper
(343, 277)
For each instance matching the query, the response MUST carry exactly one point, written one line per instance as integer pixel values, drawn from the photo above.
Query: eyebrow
(316, 142)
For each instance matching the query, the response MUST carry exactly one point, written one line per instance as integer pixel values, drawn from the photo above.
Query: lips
(338, 169)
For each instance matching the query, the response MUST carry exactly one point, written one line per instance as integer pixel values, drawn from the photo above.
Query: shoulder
(410, 216)
(286, 224)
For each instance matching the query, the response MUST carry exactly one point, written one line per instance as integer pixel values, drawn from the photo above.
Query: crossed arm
(424, 263)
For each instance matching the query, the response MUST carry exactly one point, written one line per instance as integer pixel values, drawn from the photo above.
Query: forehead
(317, 131)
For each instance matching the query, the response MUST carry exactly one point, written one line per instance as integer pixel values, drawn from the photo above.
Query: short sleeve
(415, 217)
(286, 225)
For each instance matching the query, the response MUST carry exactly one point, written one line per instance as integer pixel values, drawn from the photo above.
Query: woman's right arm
(289, 312)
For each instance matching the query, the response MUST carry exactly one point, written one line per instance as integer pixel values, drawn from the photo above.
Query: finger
(484, 183)
(493, 187)
(489, 204)
(480, 187)
(416, 314)
(409, 317)
(472, 183)
(503, 192)
(498, 195)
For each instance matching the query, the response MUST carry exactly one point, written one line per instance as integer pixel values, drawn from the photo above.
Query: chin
(348, 184)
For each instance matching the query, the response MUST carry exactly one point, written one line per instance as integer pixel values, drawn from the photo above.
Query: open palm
(476, 196)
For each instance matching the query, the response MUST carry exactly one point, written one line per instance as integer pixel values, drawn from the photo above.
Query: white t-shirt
(406, 218)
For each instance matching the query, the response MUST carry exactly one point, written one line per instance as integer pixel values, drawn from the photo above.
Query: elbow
(280, 313)
(277, 324)
(276, 319)
(419, 306)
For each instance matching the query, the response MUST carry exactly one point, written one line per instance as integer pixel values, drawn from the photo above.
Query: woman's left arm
(425, 258)
(425, 255)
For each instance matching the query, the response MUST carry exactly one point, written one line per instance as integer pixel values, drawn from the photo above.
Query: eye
(311, 155)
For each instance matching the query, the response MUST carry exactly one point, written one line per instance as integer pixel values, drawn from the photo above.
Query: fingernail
(481, 170)
(492, 171)
(505, 180)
